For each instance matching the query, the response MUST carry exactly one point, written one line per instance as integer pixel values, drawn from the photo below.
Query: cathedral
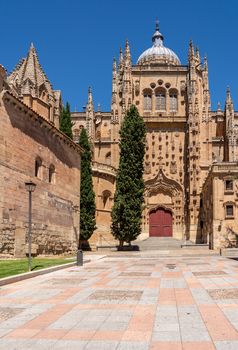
(191, 160)
(190, 164)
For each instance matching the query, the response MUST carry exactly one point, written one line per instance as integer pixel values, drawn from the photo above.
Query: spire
(121, 56)
(206, 91)
(114, 81)
(191, 51)
(197, 55)
(205, 74)
(228, 95)
(90, 115)
(230, 147)
(114, 64)
(114, 74)
(205, 65)
(90, 97)
(229, 108)
(121, 62)
(157, 38)
(127, 54)
(219, 108)
(99, 108)
(29, 72)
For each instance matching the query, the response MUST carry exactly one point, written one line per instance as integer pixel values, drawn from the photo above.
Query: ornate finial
(191, 49)
(197, 54)
(228, 94)
(157, 38)
(205, 65)
(121, 56)
(90, 98)
(32, 45)
(127, 48)
(219, 107)
(99, 107)
(157, 24)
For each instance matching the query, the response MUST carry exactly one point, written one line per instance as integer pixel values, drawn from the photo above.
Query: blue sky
(77, 40)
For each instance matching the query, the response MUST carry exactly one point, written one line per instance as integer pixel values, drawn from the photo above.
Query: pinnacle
(219, 106)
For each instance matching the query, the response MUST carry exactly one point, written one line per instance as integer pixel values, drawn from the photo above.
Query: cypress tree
(87, 195)
(129, 195)
(66, 122)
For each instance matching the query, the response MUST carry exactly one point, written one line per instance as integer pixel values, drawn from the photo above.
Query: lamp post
(79, 260)
(30, 187)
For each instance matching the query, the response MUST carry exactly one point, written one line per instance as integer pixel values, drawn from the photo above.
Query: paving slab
(141, 301)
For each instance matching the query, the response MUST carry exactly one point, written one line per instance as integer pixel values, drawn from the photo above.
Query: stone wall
(219, 206)
(25, 137)
(104, 186)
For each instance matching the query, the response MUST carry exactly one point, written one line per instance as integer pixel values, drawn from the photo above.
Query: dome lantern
(158, 53)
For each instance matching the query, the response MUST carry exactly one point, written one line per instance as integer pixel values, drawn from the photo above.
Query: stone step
(159, 243)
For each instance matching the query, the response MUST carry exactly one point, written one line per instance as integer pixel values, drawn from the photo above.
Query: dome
(158, 53)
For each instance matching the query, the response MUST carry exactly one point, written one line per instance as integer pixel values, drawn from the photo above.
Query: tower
(29, 82)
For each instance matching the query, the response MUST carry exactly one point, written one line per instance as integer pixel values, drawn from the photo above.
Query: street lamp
(30, 187)
(79, 261)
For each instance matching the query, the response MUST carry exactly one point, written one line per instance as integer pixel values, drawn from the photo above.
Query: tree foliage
(87, 195)
(129, 195)
(66, 122)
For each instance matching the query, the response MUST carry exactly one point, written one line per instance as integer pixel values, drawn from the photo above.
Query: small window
(147, 102)
(38, 168)
(52, 174)
(173, 102)
(105, 199)
(229, 210)
(229, 185)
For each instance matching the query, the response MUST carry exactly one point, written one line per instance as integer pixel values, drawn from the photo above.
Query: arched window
(52, 174)
(108, 158)
(38, 167)
(160, 100)
(76, 134)
(173, 98)
(105, 199)
(147, 100)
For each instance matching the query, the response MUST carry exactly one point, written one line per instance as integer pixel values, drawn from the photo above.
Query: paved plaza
(136, 301)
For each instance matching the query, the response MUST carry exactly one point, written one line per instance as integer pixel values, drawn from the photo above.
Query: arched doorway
(161, 223)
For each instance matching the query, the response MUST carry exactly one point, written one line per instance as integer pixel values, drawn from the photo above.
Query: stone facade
(32, 148)
(184, 139)
(219, 206)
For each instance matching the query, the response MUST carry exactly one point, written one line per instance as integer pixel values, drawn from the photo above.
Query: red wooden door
(161, 223)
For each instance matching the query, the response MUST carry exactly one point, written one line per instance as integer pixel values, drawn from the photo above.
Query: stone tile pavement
(136, 301)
